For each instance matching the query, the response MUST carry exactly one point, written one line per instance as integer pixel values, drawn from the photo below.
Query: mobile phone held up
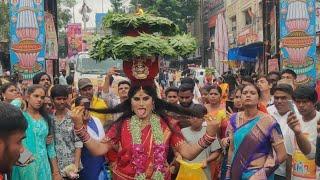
(291, 106)
(229, 105)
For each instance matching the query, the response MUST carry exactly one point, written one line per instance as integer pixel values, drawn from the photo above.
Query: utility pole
(205, 32)
(266, 34)
(277, 8)
(102, 5)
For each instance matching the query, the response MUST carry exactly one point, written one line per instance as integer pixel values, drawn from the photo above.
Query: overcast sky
(97, 6)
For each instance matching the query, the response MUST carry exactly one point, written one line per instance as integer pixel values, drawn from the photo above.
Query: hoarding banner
(27, 35)
(51, 37)
(74, 39)
(273, 65)
(297, 33)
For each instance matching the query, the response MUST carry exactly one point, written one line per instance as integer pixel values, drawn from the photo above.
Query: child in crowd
(193, 133)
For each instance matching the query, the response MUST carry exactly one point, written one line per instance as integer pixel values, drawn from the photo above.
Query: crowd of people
(255, 127)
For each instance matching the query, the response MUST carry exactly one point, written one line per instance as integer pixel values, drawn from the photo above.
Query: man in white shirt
(301, 141)
(280, 111)
(62, 77)
(170, 78)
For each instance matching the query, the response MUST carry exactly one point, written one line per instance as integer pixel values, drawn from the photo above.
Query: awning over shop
(246, 53)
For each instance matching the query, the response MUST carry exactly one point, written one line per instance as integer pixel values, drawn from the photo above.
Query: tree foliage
(68, 3)
(64, 15)
(4, 21)
(180, 12)
(116, 5)
(156, 36)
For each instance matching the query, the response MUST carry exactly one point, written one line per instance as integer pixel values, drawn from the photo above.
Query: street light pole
(102, 5)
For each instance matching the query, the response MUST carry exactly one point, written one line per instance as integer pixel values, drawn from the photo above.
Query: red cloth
(123, 168)
(262, 108)
(215, 168)
(1, 177)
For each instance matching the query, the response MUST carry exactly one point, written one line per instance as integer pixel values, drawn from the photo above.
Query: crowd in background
(268, 124)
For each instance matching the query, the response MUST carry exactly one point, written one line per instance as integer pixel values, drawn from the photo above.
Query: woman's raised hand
(213, 125)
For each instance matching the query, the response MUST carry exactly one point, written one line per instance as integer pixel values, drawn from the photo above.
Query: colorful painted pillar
(27, 35)
(297, 33)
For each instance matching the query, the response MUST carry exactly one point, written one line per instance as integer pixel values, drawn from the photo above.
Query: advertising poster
(49, 67)
(297, 33)
(62, 64)
(318, 16)
(273, 65)
(74, 34)
(27, 35)
(51, 37)
(87, 40)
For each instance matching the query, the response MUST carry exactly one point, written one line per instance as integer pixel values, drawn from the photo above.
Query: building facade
(211, 10)
(244, 21)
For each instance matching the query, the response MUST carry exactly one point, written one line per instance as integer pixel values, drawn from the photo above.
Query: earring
(153, 108)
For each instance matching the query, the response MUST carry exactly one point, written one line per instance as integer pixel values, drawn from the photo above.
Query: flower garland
(139, 157)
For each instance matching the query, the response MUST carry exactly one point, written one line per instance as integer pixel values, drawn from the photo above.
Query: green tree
(64, 17)
(4, 21)
(70, 4)
(116, 5)
(180, 12)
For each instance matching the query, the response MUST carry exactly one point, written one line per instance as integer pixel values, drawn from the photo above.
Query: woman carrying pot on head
(142, 135)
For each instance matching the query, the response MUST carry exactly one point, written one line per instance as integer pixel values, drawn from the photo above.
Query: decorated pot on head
(141, 40)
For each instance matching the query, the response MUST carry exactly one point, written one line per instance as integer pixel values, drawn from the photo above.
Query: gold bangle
(78, 129)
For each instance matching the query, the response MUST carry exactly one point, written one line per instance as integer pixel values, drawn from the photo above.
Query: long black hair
(36, 79)
(5, 87)
(160, 107)
(42, 110)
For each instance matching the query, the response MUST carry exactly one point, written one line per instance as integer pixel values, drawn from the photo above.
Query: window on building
(259, 18)
(212, 31)
(233, 20)
(247, 16)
